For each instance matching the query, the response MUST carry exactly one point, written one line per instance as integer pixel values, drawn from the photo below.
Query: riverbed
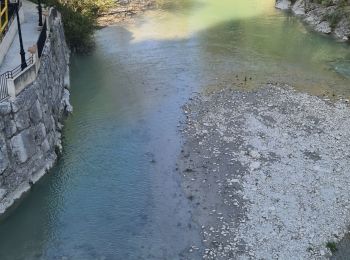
(115, 192)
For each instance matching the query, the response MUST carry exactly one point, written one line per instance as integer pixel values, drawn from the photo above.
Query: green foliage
(334, 17)
(79, 20)
(341, 10)
(332, 246)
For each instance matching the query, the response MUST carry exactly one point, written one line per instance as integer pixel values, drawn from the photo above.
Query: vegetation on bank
(332, 246)
(80, 20)
(341, 10)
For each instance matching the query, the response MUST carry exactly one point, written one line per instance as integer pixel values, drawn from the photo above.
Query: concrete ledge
(17, 84)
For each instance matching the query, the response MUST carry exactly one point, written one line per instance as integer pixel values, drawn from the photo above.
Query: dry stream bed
(267, 172)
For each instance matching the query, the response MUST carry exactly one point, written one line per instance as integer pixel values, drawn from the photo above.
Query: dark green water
(115, 193)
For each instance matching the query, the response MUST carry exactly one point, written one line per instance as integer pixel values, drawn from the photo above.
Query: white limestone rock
(323, 27)
(342, 30)
(65, 102)
(283, 4)
(299, 7)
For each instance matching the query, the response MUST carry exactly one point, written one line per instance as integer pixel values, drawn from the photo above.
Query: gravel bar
(267, 172)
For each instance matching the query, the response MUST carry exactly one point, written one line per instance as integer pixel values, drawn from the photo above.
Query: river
(115, 192)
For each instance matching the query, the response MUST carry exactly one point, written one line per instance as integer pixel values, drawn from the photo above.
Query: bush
(332, 246)
(334, 17)
(79, 20)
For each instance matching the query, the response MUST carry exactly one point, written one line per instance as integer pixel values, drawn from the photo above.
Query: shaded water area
(115, 192)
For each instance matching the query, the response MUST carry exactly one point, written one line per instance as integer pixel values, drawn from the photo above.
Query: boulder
(323, 27)
(283, 4)
(299, 7)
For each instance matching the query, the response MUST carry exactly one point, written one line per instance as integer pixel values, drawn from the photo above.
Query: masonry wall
(30, 124)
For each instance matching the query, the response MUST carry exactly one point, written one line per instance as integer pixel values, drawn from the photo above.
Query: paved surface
(30, 34)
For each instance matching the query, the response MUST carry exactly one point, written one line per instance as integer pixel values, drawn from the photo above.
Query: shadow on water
(115, 193)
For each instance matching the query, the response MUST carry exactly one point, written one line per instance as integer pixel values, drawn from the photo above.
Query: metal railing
(42, 39)
(4, 16)
(4, 92)
(6, 20)
(10, 75)
(3, 87)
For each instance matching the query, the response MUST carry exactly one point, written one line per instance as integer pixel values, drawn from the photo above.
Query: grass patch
(332, 246)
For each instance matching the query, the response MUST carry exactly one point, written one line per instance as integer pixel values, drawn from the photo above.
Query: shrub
(79, 20)
(334, 17)
(332, 246)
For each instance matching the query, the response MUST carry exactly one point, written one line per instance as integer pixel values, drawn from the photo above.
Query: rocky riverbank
(124, 11)
(267, 173)
(329, 16)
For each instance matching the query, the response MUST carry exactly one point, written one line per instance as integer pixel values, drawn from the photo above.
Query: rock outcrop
(328, 17)
(30, 124)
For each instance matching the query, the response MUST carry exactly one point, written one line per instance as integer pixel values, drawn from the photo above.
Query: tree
(80, 20)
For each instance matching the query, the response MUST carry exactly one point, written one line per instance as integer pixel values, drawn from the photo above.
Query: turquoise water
(115, 192)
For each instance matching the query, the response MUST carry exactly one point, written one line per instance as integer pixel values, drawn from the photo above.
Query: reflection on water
(342, 67)
(254, 39)
(115, 194)
(180, 19)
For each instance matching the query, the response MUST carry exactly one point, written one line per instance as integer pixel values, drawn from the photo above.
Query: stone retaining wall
(30, 123)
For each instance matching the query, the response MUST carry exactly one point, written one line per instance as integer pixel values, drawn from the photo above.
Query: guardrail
(14, 81)
(10, 75)
(3, 87)
(7, 16)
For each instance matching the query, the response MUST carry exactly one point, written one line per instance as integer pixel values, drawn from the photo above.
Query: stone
(47, 119)
(67, 107)
(22, 120)
(45, 146)
(22, 146)
(2, 140)
(10, 127)
(299, 7)
(39, 133)
(323, 27)
(25, 100)
(5, 108)
(342, 29)
(254, 154)
(35, 113)
(2, 193)
(283, 4)
(4, 161)
(255, 165)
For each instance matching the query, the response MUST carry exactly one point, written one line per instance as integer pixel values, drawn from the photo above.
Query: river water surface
(115, 192)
